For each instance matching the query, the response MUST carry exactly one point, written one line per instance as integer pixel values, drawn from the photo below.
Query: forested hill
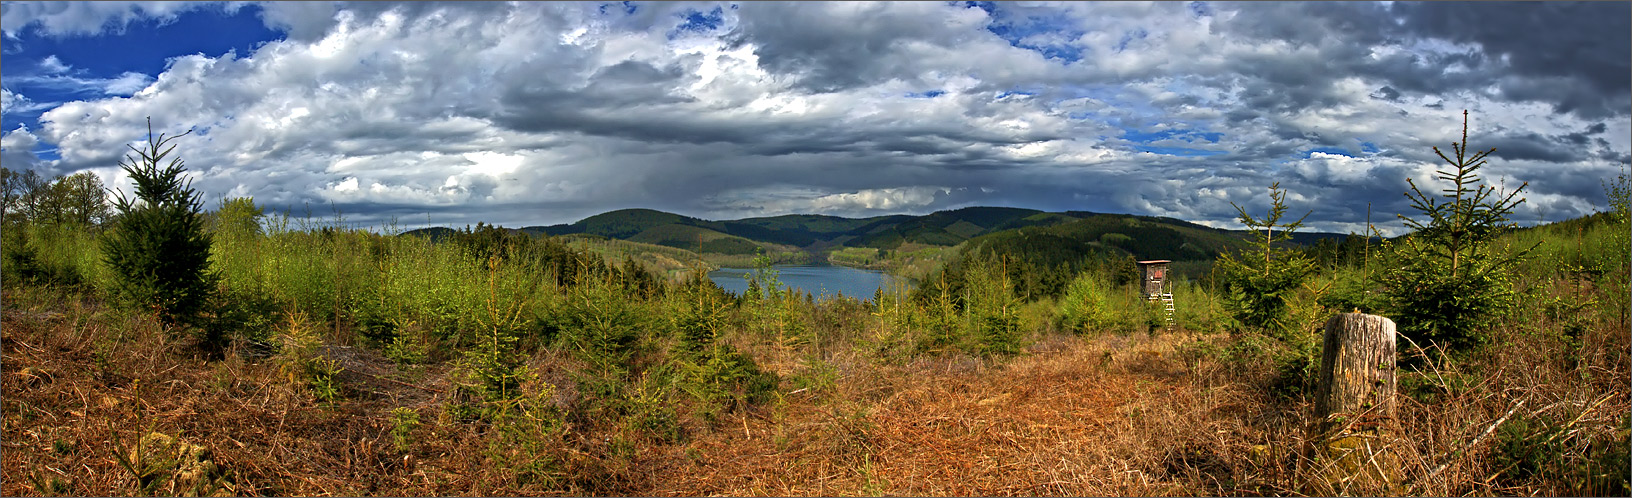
(982, 228)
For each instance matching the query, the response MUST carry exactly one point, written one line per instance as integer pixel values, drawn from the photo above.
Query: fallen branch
(1566, 427)
(1475, 442)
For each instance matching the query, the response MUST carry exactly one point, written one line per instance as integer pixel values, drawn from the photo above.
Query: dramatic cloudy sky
(537, 113)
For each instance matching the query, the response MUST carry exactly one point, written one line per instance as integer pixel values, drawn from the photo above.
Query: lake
(816, 280)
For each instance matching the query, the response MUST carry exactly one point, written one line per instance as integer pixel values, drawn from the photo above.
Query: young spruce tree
(1450, 284)
(158, 249)
(1259, 281)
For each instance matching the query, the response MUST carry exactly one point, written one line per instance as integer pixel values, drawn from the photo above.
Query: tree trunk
(1354, 405)
(1356, 367)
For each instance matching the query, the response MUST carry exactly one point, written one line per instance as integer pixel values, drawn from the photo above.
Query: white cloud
(1336, 169)
(127, 84)
(62, 77)
(16, 103)
(85, 18)
(782, 199)
(52, 65)
(17, 150)
(881, 199)
(301, 20)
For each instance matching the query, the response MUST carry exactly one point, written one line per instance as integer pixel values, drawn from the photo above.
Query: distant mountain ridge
(1146, 237)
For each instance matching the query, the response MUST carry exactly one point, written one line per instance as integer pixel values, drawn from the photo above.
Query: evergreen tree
(1257, 285)
(990, 306)
(158, 249)
(1450, 282)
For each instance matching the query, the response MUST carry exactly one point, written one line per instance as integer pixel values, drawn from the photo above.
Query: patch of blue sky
(1178, 151)
(1129, 37)
(925, 95)
(626, 7)
(989, 7)
(1046, 35)
(94, 63)
(1369, 148)
(144, 46)
(1201, 9)
(697, 21)
(1013, 93)
(1182, 134)
(13, 120)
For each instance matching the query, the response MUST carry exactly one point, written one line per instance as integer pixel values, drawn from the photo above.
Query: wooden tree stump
(1354, 404)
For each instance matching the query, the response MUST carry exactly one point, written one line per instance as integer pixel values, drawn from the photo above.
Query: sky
(531, 113)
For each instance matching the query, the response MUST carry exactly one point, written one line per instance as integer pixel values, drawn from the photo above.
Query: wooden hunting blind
(1155, 277)
(1156, 288)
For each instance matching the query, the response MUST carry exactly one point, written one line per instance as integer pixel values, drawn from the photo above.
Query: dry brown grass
(1099, 417)
(1103, 416)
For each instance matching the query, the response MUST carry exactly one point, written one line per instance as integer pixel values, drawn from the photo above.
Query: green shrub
(62, 255)
(250, 315)
(601, 326)
(723, 379)
(942, 330)
(1085, 309)
(493, 370)
(991, 312)
(700, 314)
(1297, 365)
(1352, 290)
(1196, 309)
(817, 376)
(404, 421)
(1539, 447)
(301, 360)
(23, 261)
(772, 306)
(526, 438)
(1528, 447)
(650, 406)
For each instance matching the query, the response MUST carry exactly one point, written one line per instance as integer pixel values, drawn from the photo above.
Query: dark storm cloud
(618, 100)
(1583, 42)
(1337, 39)
(1531, 146)
(1386, 93)
(1312, 23)
(1577, 139)
(1521, 48)
(830, 47)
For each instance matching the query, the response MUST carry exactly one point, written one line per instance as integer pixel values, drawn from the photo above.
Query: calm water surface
(817, 280)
